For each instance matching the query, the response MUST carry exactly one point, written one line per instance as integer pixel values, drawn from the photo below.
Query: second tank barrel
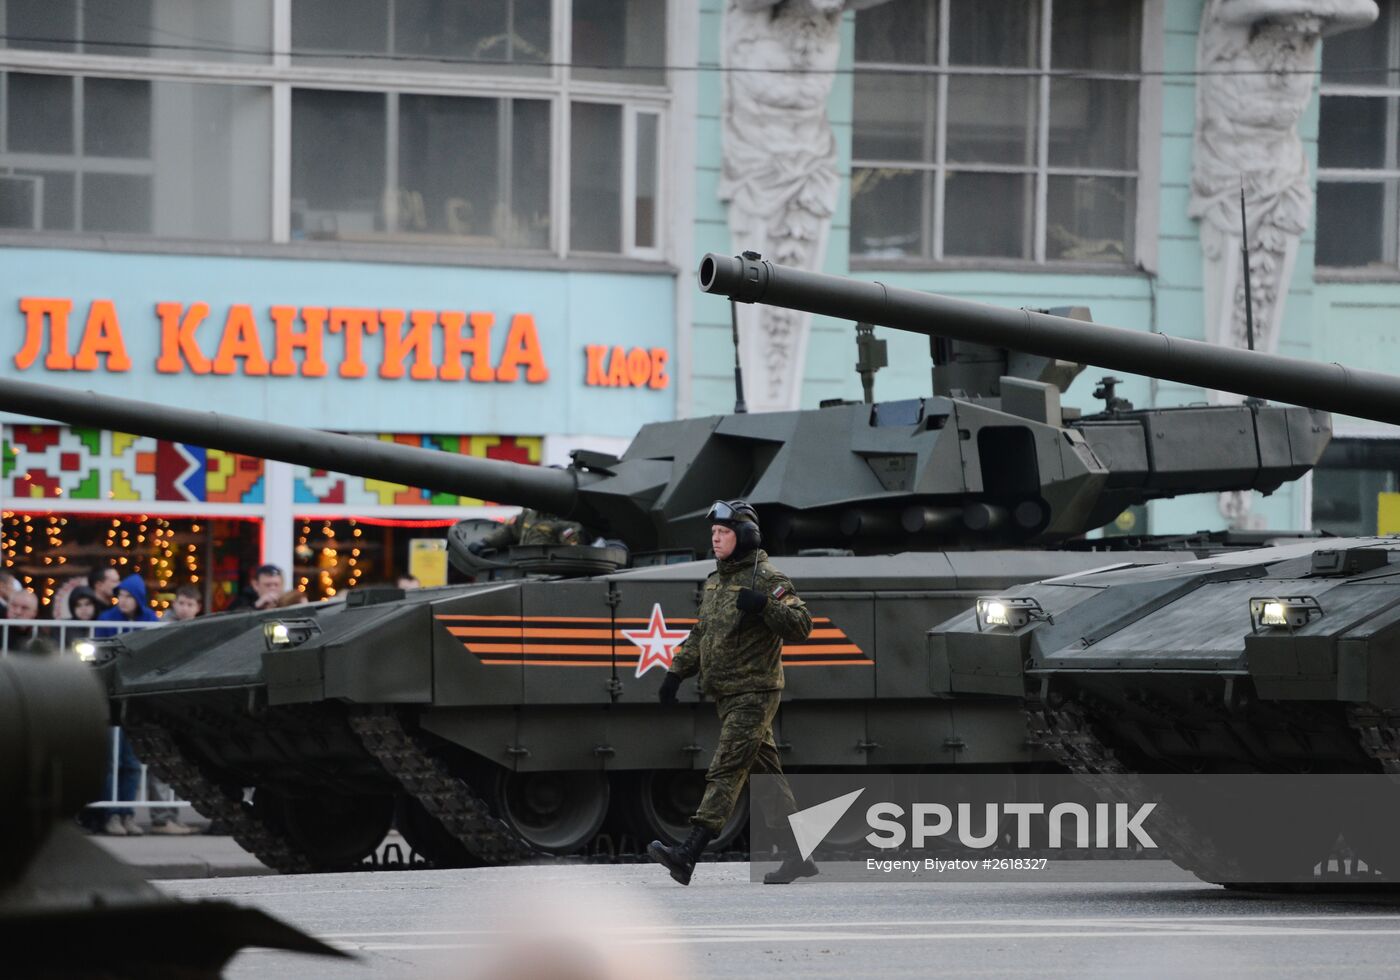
(550, 490)
(1329, 387)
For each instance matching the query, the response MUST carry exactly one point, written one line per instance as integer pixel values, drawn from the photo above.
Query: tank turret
(990, 459)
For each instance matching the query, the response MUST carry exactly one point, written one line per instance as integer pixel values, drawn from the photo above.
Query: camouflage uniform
(739, 659)
(535, 527)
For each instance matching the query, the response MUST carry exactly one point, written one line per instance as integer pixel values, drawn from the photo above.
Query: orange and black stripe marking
(590, 641)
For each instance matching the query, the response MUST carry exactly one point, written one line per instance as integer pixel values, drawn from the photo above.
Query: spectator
(83, 604)
(262, 591)
(131, 607)
(24, 604)
(104, 581)
(408, 582)
(58, 602)
(166, 819)
(188, 603)
(25, 639)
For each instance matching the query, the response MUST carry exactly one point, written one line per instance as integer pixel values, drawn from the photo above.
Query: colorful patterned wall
(55, 462)
(323, 487)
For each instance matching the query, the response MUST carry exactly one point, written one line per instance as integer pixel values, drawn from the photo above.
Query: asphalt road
(631, 921)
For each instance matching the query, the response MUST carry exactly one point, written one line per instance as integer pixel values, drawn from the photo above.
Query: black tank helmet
(740, 517)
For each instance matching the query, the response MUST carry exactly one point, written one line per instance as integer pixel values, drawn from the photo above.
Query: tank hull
(455, 702)
(1178, 668)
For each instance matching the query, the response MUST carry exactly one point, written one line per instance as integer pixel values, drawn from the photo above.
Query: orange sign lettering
(299, 348)
(622, 368)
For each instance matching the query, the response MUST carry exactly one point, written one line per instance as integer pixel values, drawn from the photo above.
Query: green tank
(516, 716)
(67, 907)
(1275, 660)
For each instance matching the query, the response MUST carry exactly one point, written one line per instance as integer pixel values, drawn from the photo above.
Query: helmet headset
(740, 517)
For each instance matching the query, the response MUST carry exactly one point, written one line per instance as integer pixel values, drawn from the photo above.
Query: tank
(1274, 660)
(1279, 660)
(56, 885)
(515, 717)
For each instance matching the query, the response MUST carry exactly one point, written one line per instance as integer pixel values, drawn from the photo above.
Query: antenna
(871, 355)
(739, 407)
(1244, 257)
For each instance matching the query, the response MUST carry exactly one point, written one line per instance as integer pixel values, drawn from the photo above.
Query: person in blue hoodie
(132, 606)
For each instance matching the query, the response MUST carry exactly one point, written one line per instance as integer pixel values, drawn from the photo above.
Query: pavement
(630, 921)
(621, 922)
(196, 856)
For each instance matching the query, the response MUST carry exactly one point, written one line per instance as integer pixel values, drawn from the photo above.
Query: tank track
(156, 747)
(1064, 730)
(408, 758)
(1378, 732)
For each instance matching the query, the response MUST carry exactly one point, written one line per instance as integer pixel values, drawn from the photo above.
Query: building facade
(1092, 152)
(405, 220)
(474, 227)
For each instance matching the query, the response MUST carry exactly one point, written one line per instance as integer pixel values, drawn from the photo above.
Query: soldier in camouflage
(748, 609)
(530, 527)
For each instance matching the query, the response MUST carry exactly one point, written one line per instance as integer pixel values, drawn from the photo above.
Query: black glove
(751, 600)
(476, 547)
(669, 687)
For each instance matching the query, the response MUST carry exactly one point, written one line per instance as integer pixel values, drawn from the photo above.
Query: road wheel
(427, 836)
(663, 801)
(554, 812)
(336, 832)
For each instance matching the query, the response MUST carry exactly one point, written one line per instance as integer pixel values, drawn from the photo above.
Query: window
(128, 156)
(481, 36)
(1358, 160)
(619, 34)
(1347, 482)
(211, 30)
(614, 188)
(471, 170)
(509, 125)
(1000, 130)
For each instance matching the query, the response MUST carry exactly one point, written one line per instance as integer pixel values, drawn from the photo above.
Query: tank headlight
(95, 652)
(1291, 613)
(994, 614)
(1008, 613)
(281, 633)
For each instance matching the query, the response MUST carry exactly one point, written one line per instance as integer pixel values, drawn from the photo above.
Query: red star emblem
(657, 642)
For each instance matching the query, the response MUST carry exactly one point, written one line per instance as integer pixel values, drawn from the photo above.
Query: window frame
(281, 76)
(1382, 271)
(1146, 175)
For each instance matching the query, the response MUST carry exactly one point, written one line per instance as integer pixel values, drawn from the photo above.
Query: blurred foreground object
(67, 908)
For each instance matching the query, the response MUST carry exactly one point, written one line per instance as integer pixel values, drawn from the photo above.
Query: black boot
(790, 870)
(794, 865)
(680, 858)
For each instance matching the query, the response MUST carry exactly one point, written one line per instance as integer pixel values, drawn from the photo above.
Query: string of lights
(319, 547)
(700, 67)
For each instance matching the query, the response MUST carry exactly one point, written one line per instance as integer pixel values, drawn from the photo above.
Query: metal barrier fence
(58, 635)
(23, 637)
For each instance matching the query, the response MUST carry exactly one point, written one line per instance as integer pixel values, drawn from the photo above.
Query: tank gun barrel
(1328, 387)
(555, 491)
